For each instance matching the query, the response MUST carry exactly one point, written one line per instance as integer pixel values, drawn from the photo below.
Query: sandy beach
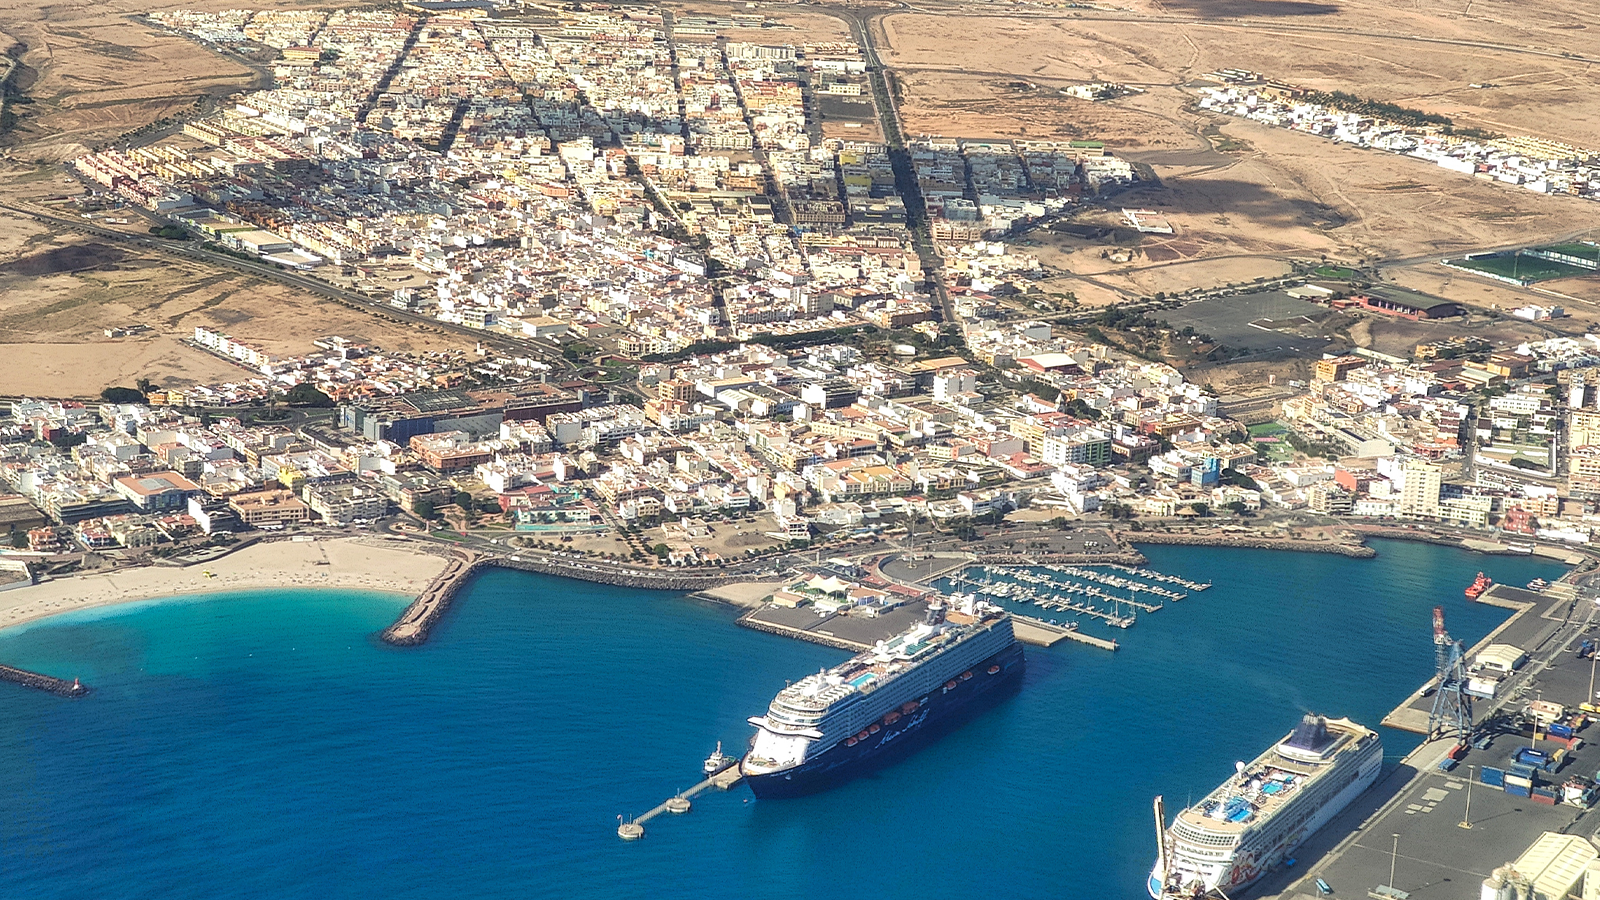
(360, 563)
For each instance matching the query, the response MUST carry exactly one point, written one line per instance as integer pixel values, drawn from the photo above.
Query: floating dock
(678, 804)
(46, 683)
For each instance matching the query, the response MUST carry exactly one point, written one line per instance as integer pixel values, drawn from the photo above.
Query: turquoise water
(265, 745)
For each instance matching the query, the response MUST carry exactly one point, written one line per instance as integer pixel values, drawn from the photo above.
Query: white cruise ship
(1255, 819)
(829, 726)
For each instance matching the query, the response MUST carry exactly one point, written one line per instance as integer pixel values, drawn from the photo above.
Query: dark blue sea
(265, 745)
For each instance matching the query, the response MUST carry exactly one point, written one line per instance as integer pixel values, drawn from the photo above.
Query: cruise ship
(830, 726)
(1255, 819)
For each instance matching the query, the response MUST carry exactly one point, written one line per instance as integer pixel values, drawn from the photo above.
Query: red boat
(1478, 586)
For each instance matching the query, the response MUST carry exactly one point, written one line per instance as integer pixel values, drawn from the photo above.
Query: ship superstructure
(828, 726)
(1252, 821)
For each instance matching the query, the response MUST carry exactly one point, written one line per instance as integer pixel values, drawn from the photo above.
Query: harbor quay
(1443, 821)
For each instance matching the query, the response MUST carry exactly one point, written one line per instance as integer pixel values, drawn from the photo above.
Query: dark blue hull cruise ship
(885, 702)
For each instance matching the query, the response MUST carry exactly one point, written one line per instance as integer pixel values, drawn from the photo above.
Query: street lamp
(1466, 816)
(1394, 854)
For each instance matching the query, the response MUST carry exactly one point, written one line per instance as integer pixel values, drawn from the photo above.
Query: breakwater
(57, 686)
(417, 621)
(1355, 551)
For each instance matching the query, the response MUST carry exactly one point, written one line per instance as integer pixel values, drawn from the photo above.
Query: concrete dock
(1047, 634)
(58, 686)
(633, 829)
(1419, 818)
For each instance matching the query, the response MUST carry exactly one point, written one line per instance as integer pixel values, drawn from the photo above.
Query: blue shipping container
(1523, 771)
(1491, 775)
(1518, 791)
(1560, 731)
(1447, 764)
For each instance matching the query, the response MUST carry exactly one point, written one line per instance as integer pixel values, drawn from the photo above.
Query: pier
(1040, 633)
(46, 683)
(678, 804)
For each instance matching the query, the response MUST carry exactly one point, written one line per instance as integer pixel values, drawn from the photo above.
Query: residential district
(721, 233)
(814, 443)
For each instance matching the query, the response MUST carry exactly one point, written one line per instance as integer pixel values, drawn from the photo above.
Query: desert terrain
(60, 292)
(93, 74)
(1241, 192)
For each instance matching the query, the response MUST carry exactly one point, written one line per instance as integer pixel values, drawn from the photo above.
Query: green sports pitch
(1526, 269)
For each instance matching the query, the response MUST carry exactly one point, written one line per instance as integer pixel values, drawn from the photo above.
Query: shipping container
(1516, 791)
(1540, 798)
(1491, 775)
(1518, 781)
(1561, 731)
(1548, 791)
(1447, 764)
(1519, 769)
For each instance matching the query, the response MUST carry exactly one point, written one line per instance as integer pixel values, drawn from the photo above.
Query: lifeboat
(872, 729)
(849, 742)
(949, 684)
(909, 707)
(994, 670)
(862, 736)
(967, 675)
(1478, 586)
(891, 718)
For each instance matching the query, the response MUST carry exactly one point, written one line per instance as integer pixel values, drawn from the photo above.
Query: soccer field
(1525, 268)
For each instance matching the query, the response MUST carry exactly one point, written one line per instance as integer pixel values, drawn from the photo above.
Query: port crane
(1452, 705)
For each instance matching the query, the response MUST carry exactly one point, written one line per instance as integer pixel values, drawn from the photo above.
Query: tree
(464, 500)
(1200, 508)
(307, 394)
(146, 386)
(1237, 507)
(424, 509)
(489, 505)
(122, 395)
(661, 550)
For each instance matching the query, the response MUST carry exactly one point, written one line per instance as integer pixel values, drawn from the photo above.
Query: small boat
(1538, 584)
(717, 761)
(1478, 586)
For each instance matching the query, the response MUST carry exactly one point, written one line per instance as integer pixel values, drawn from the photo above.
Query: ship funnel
(935, 613)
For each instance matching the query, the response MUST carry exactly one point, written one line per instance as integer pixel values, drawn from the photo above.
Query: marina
(1075, 589)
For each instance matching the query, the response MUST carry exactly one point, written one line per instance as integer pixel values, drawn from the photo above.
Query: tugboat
(717, 761)
(1478, 586)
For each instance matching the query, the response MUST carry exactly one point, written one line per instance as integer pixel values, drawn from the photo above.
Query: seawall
(417, 621)
(1358, 551)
